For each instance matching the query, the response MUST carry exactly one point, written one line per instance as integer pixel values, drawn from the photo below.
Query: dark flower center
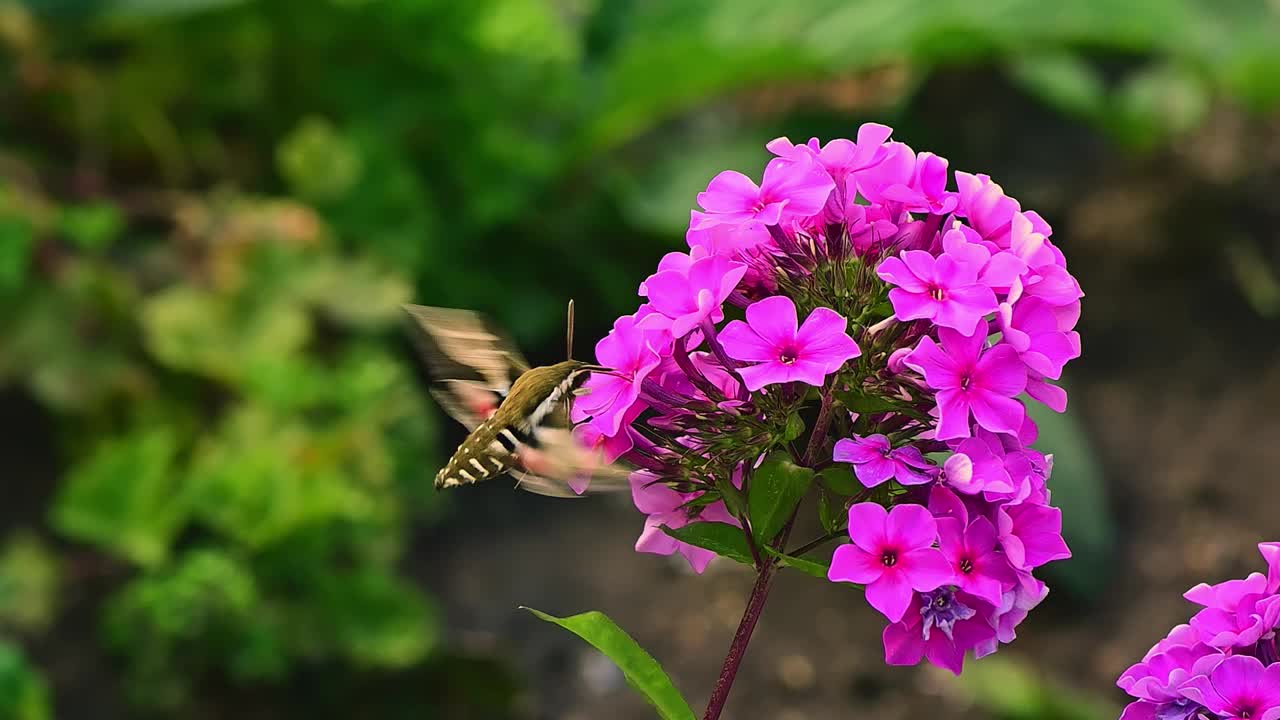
(937, 293)
(941, 609)
(788, 355)
(966, 566)
(889, 558)
(965, 381)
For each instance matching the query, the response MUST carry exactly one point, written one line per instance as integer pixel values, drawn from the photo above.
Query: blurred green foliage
(210, 210)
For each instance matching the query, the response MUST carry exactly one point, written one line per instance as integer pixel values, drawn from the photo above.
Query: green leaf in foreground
(720, 538)
(642, 672)
(775, 490)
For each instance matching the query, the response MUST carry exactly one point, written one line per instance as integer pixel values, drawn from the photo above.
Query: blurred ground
(1178, 388)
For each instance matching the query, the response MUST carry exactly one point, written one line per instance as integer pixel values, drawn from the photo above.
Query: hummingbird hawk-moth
(517, 416)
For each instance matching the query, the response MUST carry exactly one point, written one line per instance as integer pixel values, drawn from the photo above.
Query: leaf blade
(720, 538)
(776, 489)
(642, 672)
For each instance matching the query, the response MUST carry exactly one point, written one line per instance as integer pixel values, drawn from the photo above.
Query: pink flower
(1031, 327)
(978, 465)
(781, 352)
(1015, 605)
(941, 626)
(794, 187)
(878, 182)
(940, 289)
(926, 190)
(875, 461)
(688, 296)
(892, 554)
(1031, 535)
(979, 569)
(1239, 688)
(665, 506)
(998, 269)
(971, 381)
(1156, 681)
(630, 353)
(988, 209)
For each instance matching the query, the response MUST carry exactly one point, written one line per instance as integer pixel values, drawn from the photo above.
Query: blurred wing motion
(472, 362)
(518, 417)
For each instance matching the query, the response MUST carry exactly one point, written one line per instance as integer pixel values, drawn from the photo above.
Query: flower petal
(850, 563)
(773, 319)
(890, 594)
(867, 526)
(926, 569)
(740, 342)
(909, 527)
(996, 413)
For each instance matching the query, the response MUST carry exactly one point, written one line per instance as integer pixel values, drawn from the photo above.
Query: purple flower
(940, 289)
(979, 569)
(941, 626)
(794, 187)
(1240, 687)
(892, 554)
(875, 461)
(971, 381)
(781, 352)
(687, 296)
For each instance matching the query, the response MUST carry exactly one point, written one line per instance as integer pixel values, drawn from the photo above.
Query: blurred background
(214, 440)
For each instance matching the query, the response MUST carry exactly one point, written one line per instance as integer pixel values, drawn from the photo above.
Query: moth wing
(467, 401)
(560, 465)
(472, 362)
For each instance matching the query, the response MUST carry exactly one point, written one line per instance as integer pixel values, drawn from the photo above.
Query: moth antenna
(569, 333)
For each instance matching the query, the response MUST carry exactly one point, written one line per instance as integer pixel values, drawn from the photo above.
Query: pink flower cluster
(900, 323)
(1225, 663)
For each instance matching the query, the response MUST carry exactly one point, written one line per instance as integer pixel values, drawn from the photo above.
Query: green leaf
(826, 513)
(734, 500)
(16, 241)
(24, 695)
(640, 669)
(795, 427)
(808, 567)
(720, 538)
(840, 480)
(859, 402)
(28, 583)
(1064, 80)
(125, 497)
(91, 227)
(776, 489)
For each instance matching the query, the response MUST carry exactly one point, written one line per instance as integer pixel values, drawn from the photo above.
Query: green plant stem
(764, 579)
(814, 543)
(820, 426)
